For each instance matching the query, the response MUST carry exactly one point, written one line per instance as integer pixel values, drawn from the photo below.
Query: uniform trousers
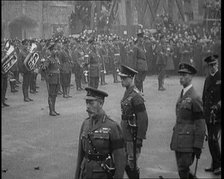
(129, 152)
(4, 85)
(139, 78)
(184, 161)
(33, 80)
(26, 84)
(213, 143)
(161, 74)
(94, 82)
(115, 75)
(65, 79)
(78, 78)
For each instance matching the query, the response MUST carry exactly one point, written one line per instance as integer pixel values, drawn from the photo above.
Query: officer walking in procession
(189, 130)
(134, 121)
(101, 144)
(211, 98)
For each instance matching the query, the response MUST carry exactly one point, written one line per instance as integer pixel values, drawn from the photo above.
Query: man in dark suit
(189, 130)
(211, 98)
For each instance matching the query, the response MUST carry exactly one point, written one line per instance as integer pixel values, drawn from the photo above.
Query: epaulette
(108, 118)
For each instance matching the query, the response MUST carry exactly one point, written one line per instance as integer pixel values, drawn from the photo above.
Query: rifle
(134, 131)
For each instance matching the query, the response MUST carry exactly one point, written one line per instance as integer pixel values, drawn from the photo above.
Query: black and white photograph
(111, 89)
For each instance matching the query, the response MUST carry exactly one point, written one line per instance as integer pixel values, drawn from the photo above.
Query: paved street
(38, 146)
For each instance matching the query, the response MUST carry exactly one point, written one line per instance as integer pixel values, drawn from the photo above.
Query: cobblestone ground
(38, 146)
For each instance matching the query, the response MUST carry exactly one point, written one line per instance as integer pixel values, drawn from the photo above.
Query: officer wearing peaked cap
(211, 98)
(187, 68)
(94, 67)
(189, 130)
(101, 144)
(52, 65)
(139, 60)
(133, 114)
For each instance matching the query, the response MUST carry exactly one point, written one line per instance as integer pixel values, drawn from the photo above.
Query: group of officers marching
(107, 149)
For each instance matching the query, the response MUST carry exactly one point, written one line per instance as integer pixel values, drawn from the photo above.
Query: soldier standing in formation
(65, 71)
(52, 65)
(211, 98)
(12, 80)
(189, 130)
(139, 60)
(115, 61)
(26, 74)
(77, 57)
(4, 83)
(161, 62)
(94, 69)
(102, 53)
(134, 121)
(101, 145)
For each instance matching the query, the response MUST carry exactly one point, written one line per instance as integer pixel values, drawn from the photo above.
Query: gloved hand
(197, 152)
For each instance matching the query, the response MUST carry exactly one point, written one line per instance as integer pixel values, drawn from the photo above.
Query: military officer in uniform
(26, 74)
(4, 84)
(133, 114)
(77, 57)
(189, 130)
(139, 60)
(94, 68)
(52, 65)
(211, 98)
(161, 63)
(101, 144)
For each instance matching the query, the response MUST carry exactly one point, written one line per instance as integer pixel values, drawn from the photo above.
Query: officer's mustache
(89, 111)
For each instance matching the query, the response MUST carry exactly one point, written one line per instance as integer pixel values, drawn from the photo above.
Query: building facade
(34, 19)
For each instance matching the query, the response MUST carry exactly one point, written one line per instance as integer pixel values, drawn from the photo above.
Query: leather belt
(126, 117)
(96, 157)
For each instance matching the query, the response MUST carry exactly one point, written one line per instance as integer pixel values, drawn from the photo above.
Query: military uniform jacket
(53, 70)
(139, 58)
(94, 68)
(133, 103)
(161, 55)
(189, 130)
(106, 137)
(21, 57)
(66, 65)
(211, 94)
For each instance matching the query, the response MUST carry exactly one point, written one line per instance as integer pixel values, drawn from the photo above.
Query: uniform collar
(187, 88)
(213, 74)
(97, 121)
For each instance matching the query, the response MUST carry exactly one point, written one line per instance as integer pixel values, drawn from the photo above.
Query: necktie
(182, 93)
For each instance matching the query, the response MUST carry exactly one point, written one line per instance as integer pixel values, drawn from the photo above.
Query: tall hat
(187, 68)
(94, 94)
(213, 59)
(126, 71)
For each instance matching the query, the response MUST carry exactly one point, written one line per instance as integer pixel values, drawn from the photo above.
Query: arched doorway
(18, 26)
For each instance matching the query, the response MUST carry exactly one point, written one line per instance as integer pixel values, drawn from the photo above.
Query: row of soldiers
(86, 59)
